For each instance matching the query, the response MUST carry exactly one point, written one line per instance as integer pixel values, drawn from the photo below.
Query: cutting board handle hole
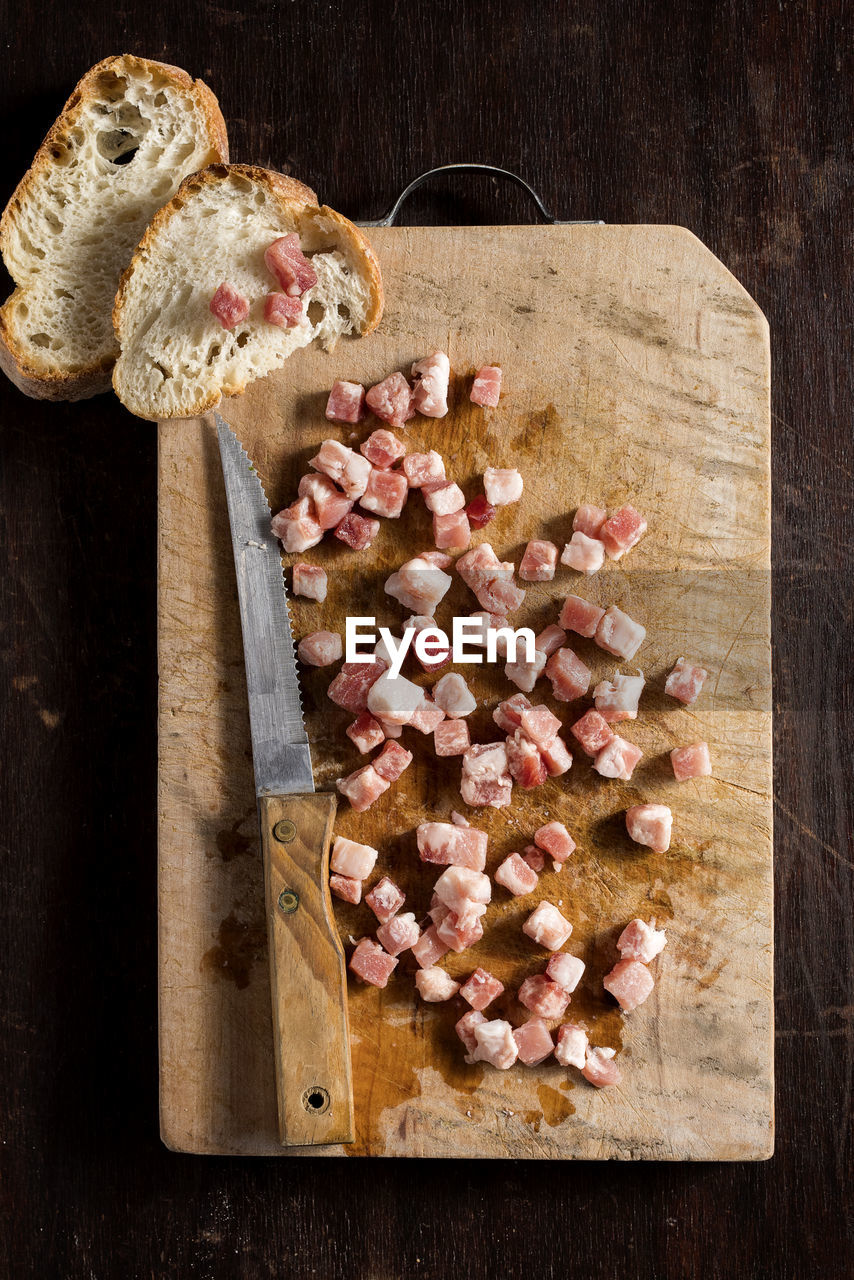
(316, 1100)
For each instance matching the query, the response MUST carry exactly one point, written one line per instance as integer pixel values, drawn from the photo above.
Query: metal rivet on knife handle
(284, 831)
(288, 901)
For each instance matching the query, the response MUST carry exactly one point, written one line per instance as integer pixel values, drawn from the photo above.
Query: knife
(308, 976)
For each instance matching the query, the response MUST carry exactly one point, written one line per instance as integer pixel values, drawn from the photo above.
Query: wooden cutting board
(635, 368)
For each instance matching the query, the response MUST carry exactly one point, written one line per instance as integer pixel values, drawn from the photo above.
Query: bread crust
(34, 377)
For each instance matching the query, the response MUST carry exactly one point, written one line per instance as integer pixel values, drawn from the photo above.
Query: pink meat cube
(617, 699)
(443, 497)
(617, 759)
(391, 400)
(370, 963)
(480, 512)
(423, 468)
(297, 526)
(429, 948)
(481, 564)
(346, 402)
(465, 1030)
(489, 792)
(580, 616)
(486, 761)
(569, 677)
(508, 714)
(434, 985)
(349, 858)
(538, 562)
(460, 887)
(461, 931)
(228, 306)
(330, 504)
(534, 1042)
(385, 899)
(282, 310)
(525, 762)
(556, 758)
(347, 889)
(451, 738)
(435, 653)
(430, 392)
(448, 845)
(502, 485)
(365, 733)
(486, 387)
(571, 1046)
(287, 262)
(619, 634)
(481, 989)
(515, 874)
(565, 970)
(691, 762)
(543, 997)
(350, 687)
(349, 470)
(526, 674)
(547, 927)
(592, 732)
(555, 840)
(650, 825)
(534, 858)
(391, 761)
(419, 585)
(392, 730)
(599, 1067)
(622, 531)
(586, 555)
(495, 1044)
(362, 788)
(539, 725)
(630, 983)
(386, 493)
(551, 639)
(394, 698)
(382, 449)
(358, 532)
(320, 648)
(309, 580)
(427, 716)
(589, 519)
(399, 933)
(685, 682)
(452, 532)
(641, 941)
(438, 558)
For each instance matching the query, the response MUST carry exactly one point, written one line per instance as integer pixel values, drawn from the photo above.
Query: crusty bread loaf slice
(131, 131)
(177, 360)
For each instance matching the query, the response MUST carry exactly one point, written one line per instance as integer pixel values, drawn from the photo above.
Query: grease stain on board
(240, 945)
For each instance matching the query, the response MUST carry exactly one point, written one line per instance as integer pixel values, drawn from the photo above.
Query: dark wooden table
(734, 120)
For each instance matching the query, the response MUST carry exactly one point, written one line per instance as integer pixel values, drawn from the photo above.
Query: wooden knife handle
(308, 974)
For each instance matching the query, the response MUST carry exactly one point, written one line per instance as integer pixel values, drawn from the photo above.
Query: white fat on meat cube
(547, 927)
(572, 1044)
(419, 585)
(565, 970)
(641, 941)
(619, 634)
(430, 391)
(320, 648)
(352, 859)
(526, 674)
(495, 1043)
(617, 699)
(650, 825)
(346, 468)
(394, 699)
(460, 888)
(586, 555)
(443, 498)
(434, 985)
(454, 696)
(502, 485)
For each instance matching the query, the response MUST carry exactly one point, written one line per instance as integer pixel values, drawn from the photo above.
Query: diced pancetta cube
(599, 1067)
(287, 262)
(391, 761)
(434, 985)
(460, 887)
(539, 725)
(617, 759)
(556, 757)
(691, 762)
(486, 387)
(345, 888)
(463, 930)
(385, 899)
(555, 840)
(370, 963)
(346, 402)
(526, 764)
(282, 310)
(391, 400)
(571, 1047)
(569, 677)
(685, 682)
(443, 497)
(453, 696)
(365, 733)
(448, 845)
(394, 698)
(297, 526)
(586, 555)
(495, 1044)
(392, 730)
(382, 449)
(622, 531)
(419, 585)
(619, 634)
(550, 639)
(386, 493)
(480, 512)
(534, 858)
(423, 468)
(480, 565)
(534, 1042)
(589, 519)
(538, 562)
(430, 392)
(481, 989)
(592, 732)
(630, 983)
(515, 874)
(452, 532)
(427, 716)
(500, 595)
(451, 738)
(399, 934)
(346, 468)
(320, 649)
(465, 1030)
(650, 825)
(547, 927)
(508, 714)
(502, 485)
(309, 580)
(438, 558)
(486, 761)
(330, 504)
(350, 687)
(580, 616)
(526, 674)
(641, 941)
(565, 970)
(228, 306)
(617, 699)
(543, 996)
(362, 788)
(490, 792)
(429, 948)
(439, 654)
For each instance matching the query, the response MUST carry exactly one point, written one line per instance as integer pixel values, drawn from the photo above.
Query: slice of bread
(177, 361)
(129, 134)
